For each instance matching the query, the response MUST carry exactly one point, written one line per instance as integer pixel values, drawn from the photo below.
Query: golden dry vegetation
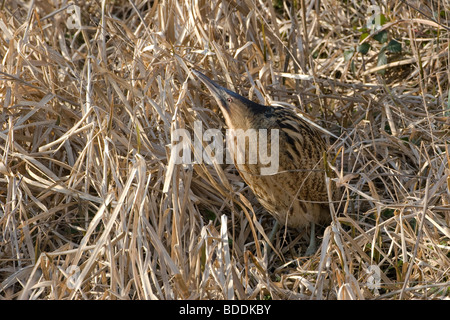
(92, 207)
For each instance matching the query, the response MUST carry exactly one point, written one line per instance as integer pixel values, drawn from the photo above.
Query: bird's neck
(246, 117)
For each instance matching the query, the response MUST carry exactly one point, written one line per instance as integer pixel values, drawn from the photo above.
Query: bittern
(296, 195)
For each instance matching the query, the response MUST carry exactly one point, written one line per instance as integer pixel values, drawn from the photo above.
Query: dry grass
(92, 207)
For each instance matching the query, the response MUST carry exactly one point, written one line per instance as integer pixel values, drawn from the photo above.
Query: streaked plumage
(296, 196)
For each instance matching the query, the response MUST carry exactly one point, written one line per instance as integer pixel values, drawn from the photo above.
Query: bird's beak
(218, 92)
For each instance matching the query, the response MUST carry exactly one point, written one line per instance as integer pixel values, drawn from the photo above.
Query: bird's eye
(229, 99)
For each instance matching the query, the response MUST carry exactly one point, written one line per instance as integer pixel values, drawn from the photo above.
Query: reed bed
(93, 207)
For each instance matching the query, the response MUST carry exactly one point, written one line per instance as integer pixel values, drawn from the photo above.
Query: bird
(296, 195)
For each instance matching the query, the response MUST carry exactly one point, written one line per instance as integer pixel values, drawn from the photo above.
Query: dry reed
(92, 207)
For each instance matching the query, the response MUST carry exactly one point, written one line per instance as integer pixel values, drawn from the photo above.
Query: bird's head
(236, 109)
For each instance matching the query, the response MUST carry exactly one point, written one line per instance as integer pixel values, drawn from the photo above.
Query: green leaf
(383, 19)
(363, 48)
(382, 60)
(381, 37)
(352, 67)
(363, 29)
(363, 36)
(394, 46)
(348, 54)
